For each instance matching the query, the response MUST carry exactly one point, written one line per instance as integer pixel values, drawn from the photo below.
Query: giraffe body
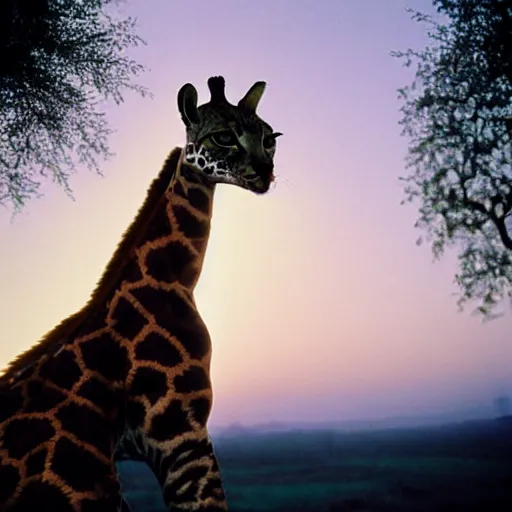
(128, 376)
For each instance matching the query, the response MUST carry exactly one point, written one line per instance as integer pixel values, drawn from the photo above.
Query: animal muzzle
(264, 170)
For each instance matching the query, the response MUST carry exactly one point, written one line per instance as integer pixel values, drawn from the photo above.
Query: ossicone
(217, 86)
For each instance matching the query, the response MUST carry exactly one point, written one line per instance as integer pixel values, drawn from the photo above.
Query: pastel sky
(319, 303)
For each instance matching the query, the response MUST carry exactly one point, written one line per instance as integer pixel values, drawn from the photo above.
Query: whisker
(284, 180)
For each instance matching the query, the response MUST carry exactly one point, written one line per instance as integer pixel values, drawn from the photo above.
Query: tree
(59, 61)
(457, 115)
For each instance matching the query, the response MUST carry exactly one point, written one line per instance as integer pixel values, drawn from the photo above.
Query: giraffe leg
(190, 476)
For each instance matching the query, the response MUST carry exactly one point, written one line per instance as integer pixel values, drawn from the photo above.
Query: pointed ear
(187, 105)
(252, 98)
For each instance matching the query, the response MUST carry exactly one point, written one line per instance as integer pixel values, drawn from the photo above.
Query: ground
(464, 467)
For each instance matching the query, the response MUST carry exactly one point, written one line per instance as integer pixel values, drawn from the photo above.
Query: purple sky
(320, 305)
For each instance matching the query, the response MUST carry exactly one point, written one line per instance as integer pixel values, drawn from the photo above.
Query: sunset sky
(319, 303)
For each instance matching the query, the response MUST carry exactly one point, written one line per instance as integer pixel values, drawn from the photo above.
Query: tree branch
(502, 230)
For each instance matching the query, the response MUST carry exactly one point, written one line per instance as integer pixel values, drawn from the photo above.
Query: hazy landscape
(464, 466)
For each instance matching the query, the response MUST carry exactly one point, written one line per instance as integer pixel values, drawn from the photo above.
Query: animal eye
(225, 139)
(270, 140)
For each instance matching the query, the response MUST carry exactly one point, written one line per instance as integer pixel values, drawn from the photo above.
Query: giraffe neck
(177, 258)
(171, 241)
(162, 250)
(155, 288)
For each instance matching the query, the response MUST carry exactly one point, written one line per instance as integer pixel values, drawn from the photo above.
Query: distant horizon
(377, 422)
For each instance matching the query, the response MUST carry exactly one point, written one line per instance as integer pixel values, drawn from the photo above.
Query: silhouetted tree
(457, 115)
(59, 60)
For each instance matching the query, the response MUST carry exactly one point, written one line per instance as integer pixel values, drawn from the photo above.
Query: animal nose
(263, 168)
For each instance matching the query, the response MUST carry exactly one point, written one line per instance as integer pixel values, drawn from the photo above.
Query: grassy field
(466, 467)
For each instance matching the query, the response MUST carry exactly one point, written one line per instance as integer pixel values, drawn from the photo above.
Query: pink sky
(319, 303)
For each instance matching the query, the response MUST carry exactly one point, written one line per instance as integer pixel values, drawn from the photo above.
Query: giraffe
(127, 376)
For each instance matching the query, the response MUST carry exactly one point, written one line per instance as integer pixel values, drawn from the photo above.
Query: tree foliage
(60, 60)
(457, 115)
